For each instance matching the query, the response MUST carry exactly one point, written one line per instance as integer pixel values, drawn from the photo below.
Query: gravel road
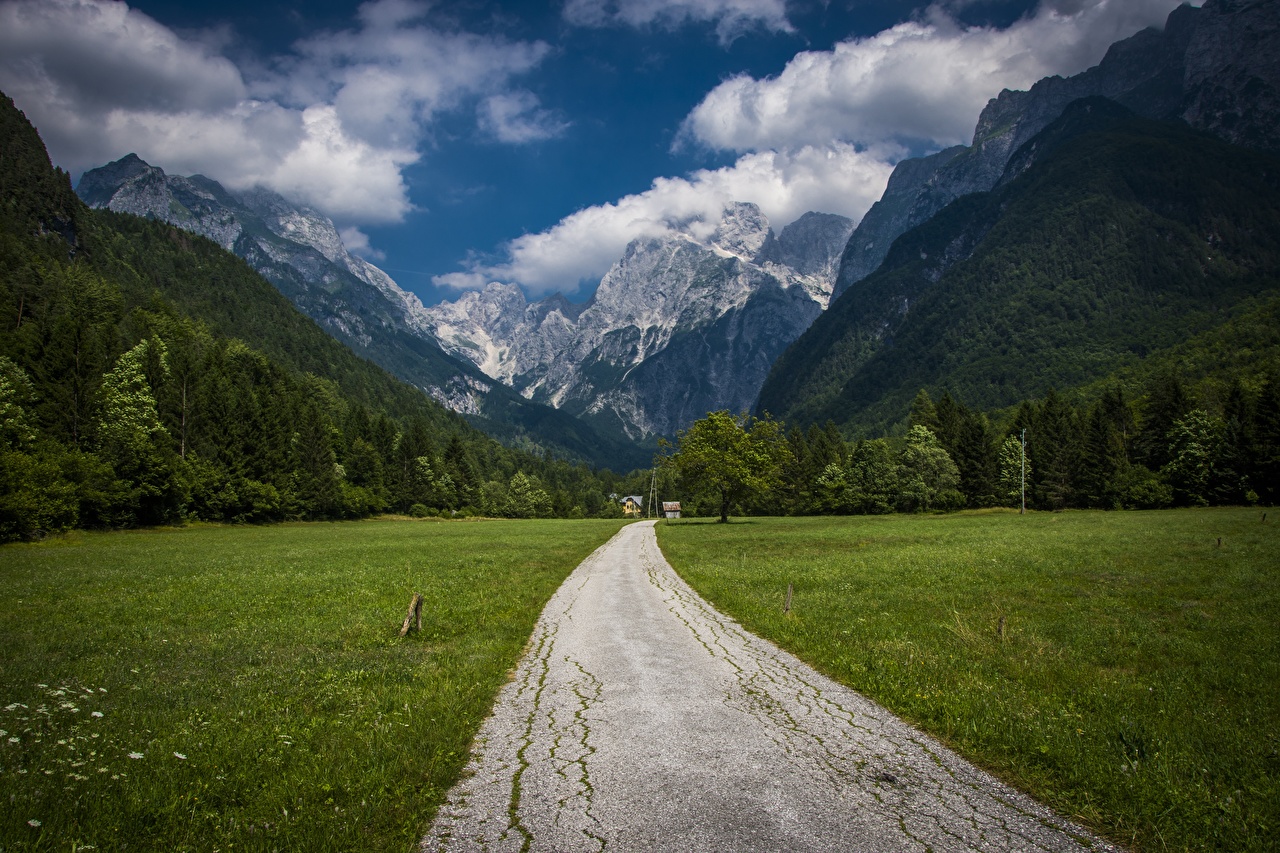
(642, 719)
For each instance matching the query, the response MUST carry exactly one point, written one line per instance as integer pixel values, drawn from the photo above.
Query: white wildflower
(95, 714)
(15, 740)
(135, 755)
(179, 755)
(33, 822)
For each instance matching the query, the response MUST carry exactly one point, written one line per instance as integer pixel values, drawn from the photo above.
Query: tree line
(1167, 447)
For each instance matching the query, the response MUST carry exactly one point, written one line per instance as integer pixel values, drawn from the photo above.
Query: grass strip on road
(219, 688)
(1137, 682)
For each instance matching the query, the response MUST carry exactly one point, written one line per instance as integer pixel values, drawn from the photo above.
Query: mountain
(300, 251)
(681, 325)
(149, 376)
(1109, 238)
(1216, 68)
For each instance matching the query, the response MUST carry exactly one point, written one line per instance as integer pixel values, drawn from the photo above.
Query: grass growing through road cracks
(1137, 684)
(244, 688)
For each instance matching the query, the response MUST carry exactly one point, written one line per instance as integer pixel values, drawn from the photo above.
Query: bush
(35, 498)
(421, 511)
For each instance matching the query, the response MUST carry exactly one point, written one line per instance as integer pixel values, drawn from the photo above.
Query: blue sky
(464, 141)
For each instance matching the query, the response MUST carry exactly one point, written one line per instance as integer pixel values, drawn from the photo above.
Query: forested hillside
(1110, 242)
(147, 376)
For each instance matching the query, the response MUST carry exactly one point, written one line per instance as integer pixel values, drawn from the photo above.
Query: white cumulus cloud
(582, 246)
(333, 124)
(924, 80)
(731, 17)
(357, 243)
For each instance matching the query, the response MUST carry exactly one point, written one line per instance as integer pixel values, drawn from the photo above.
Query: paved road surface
(642, 719)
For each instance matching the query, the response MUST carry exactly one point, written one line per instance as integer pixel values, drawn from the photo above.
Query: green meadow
(244, 688)
(1135, 684)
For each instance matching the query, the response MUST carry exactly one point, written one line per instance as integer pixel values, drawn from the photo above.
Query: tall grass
(244, 688)
(1135, 685)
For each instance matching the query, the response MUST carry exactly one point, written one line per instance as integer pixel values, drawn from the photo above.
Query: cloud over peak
(924, 80)
(583, 245)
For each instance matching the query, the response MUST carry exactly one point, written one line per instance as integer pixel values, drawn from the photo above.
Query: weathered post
(414, 614)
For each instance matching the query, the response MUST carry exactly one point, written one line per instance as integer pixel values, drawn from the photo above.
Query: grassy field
(1136, 684)
(243, 688)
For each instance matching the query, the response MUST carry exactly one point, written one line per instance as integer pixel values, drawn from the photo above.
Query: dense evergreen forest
(1169, 445)
(149, 377)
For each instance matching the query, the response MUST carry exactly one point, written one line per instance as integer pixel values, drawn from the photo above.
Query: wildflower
(14, 740)
(135, 755)
(95, 714)
(33, 823)
(179, 755)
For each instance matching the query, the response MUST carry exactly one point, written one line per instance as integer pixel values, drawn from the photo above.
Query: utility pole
(653, 492)
(1023, 511)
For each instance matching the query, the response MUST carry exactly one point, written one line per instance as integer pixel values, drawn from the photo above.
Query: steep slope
(1216, 67)
(1114, 237)
(300, 251)
(149, 376)
(679, 326)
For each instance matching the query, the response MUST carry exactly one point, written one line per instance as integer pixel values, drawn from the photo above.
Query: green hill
(1111, 240)
(148, 376)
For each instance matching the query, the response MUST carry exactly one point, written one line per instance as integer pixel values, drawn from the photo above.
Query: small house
(633, 506)
(671, 509)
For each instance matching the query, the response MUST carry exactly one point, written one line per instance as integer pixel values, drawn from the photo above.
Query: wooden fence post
(415, 613)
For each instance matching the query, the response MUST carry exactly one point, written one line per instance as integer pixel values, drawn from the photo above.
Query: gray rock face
(679, 326)
(299, 251)
(1216, 68)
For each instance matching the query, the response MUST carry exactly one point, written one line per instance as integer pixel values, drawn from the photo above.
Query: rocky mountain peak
(742, 231)
(678, 326)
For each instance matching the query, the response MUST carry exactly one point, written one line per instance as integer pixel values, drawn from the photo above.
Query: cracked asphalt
(640, 718)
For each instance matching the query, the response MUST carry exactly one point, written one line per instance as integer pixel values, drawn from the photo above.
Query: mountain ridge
(1113, 237)
(1193, 70)
(680, 325)
(300, 252)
